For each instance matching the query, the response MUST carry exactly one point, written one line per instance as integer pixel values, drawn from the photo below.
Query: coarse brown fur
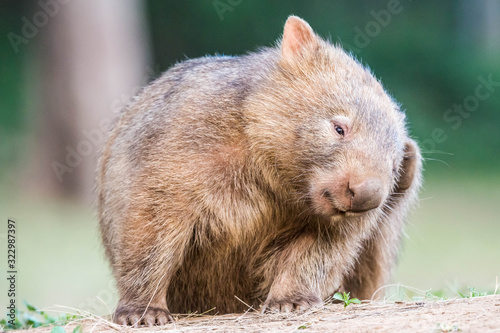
(277, 177)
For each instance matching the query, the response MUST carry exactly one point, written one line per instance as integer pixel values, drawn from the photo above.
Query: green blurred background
(68, 65)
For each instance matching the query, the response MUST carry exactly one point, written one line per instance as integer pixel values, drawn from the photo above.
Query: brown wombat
(278, 177)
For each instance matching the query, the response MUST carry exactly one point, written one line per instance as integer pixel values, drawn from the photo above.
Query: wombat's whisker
(436, 152)
(437, 160)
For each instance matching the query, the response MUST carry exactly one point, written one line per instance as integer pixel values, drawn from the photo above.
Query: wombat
(271, 179)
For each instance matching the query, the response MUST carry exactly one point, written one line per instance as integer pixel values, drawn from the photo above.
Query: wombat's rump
(278, 177)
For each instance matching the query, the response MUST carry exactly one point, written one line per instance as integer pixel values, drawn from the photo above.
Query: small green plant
(35, 318)
(447, 328)
(346, 299)
(430, 295)
(60, 329)
(304, 326)
(472, 293)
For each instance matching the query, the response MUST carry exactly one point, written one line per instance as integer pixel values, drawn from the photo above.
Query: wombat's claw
(131, 316)
(298, 303)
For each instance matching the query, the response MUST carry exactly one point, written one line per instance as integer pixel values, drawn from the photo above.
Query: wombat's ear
(409, 165)
(298, 37)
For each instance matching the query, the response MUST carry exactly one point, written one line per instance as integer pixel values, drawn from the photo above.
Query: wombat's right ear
(409, 165)
(298, 37)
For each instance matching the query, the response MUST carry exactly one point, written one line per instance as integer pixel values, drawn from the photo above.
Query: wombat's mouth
(337, 214)
(341, 213)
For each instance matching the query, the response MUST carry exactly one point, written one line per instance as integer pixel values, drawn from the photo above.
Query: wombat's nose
(366, 195)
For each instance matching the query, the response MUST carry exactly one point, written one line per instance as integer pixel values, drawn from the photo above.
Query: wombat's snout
(364, 195)
(354, 196)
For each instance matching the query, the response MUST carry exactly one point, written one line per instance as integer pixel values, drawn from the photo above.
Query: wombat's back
(171, 130)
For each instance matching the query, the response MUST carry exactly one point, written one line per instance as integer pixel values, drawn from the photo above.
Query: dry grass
(478, 314)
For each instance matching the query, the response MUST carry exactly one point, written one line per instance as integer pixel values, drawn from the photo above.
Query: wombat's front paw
(288, 304)
(137, 316)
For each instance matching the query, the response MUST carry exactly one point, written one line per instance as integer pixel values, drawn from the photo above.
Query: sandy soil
(478, 314)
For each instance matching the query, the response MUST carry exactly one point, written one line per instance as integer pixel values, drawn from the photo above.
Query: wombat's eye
(339, 130)
(341, 125)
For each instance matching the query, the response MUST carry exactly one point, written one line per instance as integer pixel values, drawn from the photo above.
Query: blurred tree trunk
(479, 24)
(93, 56)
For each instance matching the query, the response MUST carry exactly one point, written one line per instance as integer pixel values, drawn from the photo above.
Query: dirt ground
(478, 314)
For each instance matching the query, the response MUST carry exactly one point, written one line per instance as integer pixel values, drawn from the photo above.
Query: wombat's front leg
(290, 296)
(144, 268)
(304, 274)
(137, 316)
